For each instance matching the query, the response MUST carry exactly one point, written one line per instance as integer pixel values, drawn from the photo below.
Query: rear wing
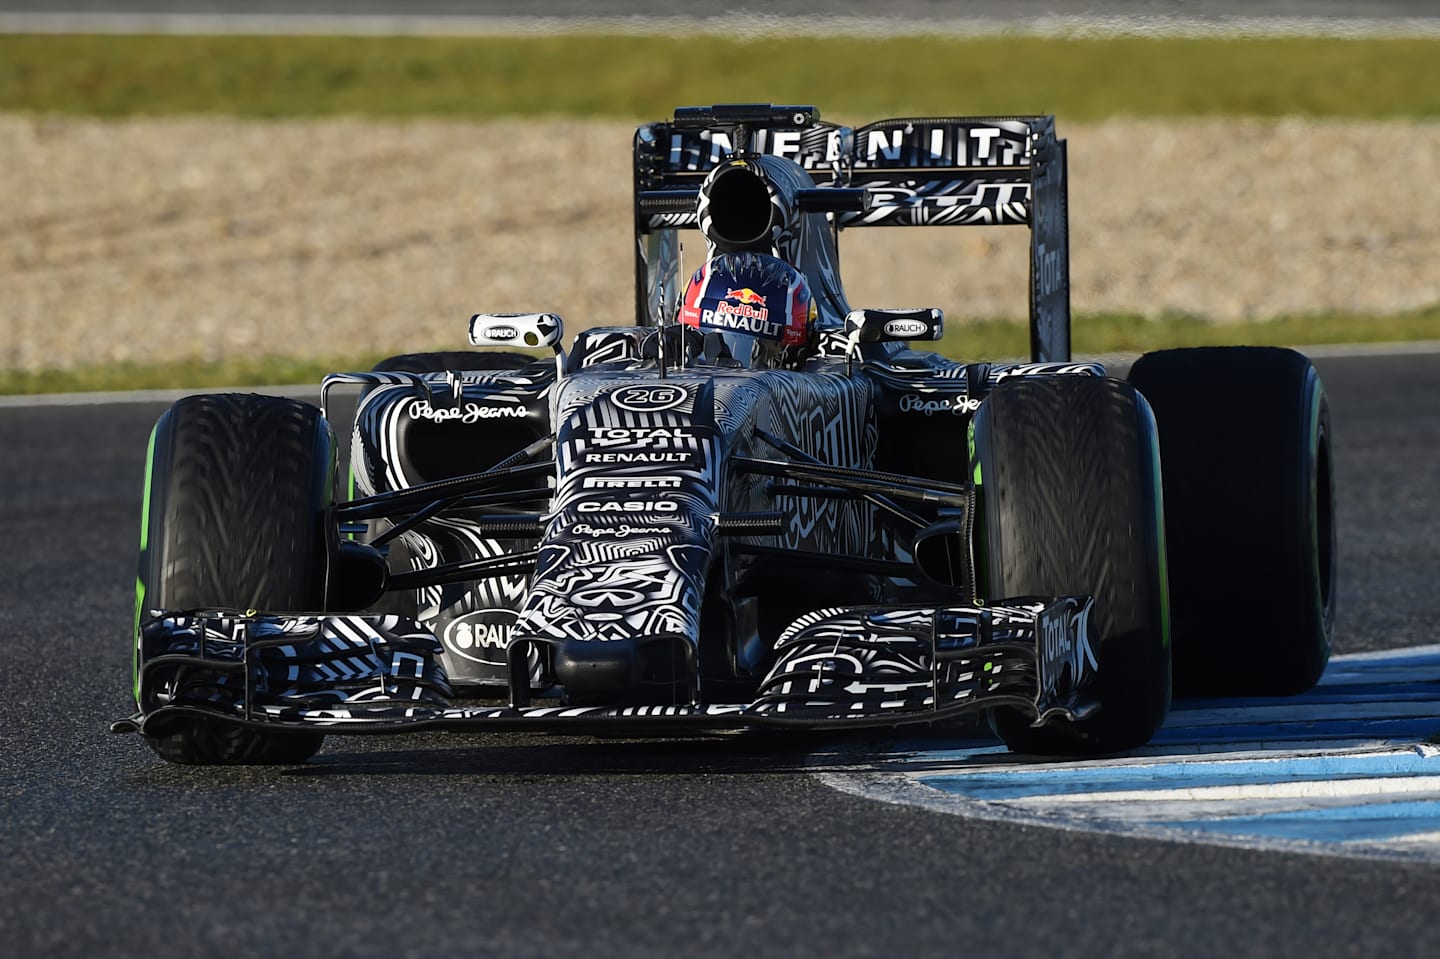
(930, 171)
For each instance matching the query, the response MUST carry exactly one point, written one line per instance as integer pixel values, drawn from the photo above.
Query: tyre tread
(1071, 475)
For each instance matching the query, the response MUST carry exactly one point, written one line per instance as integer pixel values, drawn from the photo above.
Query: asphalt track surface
(522, 846)
(519, 846)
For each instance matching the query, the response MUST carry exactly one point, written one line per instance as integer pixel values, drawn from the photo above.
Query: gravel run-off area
(176, 239)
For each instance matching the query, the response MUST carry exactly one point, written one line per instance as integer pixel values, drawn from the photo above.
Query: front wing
(871, 666)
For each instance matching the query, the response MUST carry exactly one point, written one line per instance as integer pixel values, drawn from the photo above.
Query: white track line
(742, 25)
(34, 400)
(1364, 795)
(1235, 797)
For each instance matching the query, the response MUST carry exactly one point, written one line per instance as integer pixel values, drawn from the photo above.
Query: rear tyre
(1071, 505)
(1250, 516)
(235, 518)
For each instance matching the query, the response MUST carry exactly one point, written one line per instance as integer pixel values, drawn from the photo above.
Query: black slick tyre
(1250, 516)
(1071, 505)
(235, 518)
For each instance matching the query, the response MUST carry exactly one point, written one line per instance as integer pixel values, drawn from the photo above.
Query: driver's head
(759, 305)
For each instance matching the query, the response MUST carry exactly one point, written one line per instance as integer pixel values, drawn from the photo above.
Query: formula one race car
(756, 506)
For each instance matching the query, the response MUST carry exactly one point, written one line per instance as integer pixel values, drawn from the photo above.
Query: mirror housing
(888, 326)
(516, 329)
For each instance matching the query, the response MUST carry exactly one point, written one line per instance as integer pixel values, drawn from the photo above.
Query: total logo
(1064, 630)
(632, 506)
(469, 413)
(641, 436)
(930, 405)
(1056, 645)
(481, 636)
(1048, 276)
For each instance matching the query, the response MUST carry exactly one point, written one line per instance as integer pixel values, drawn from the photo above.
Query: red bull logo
(746, 295)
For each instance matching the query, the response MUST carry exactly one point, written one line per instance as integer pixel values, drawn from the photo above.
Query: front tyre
(1071, 505)
(237, 489)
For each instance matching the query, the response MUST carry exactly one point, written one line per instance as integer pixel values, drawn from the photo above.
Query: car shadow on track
(541, 756)
(749, 753)
(530, 756)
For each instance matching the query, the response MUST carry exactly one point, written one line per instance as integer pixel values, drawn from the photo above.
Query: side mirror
(516, 329)
(885, 326)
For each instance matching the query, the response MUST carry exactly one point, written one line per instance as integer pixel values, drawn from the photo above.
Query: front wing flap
(874, 666)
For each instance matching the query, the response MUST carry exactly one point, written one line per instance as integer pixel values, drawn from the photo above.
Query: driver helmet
(759, 305)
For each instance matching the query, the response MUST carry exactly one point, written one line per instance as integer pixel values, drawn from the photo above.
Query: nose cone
(620, 572)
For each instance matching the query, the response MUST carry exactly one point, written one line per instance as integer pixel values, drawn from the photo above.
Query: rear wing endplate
(923, 171)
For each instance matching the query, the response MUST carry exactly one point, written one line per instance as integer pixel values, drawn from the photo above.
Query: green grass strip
(991, 339)
(643, 77)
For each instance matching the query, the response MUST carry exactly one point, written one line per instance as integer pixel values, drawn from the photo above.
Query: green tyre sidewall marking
(145, 565)
(1152, 442)
(978, 549)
